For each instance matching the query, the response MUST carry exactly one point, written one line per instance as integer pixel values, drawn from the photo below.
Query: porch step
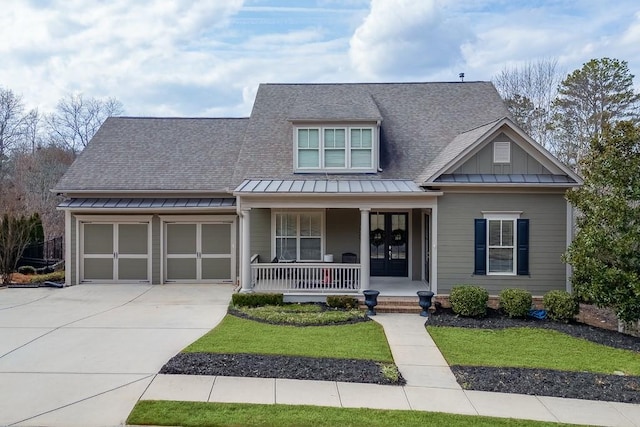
(394, 305)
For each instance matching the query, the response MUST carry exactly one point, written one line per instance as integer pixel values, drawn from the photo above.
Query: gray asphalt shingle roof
(418, 120)
(158, 154)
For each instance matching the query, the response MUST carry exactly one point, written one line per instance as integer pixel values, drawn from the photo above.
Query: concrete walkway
(430, 387)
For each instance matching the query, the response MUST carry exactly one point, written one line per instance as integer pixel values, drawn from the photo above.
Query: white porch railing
(305, 277)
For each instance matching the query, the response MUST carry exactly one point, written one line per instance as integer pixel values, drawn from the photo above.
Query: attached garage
(151, 240)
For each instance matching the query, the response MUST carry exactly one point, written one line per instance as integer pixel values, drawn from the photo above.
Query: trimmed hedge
(256, 300)
(561, 305)
(342, 301)
(469, 301)
(56, 276)
(515, 302)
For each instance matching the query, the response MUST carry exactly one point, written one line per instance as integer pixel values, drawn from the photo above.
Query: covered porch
(340, 242)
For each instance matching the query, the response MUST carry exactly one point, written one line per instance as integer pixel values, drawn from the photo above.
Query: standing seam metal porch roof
(349, 186)
(148, 203)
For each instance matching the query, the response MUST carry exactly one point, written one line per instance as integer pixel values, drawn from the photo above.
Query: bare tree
(76, 119)
(12, 122)
(35, 173)
(529, 91)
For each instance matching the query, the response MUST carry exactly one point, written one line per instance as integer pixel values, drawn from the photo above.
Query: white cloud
(407, 38)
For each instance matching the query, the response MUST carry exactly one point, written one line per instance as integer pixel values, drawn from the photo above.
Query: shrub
(256, 300)
(470, 301)
(515, 302)
(560, 305)
(342, 301)
(27, 270)
(56, 276)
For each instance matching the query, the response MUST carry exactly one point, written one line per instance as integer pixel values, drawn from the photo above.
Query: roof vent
(461, 75)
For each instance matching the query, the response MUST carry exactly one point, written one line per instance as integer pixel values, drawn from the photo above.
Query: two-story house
(325, 188)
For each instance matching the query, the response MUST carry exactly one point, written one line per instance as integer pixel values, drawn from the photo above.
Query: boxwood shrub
(515, 302)
(560, 305)
(469, 301)
(256, 300)
(342, 301)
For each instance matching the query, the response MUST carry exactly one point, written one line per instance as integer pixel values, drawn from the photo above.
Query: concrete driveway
(84, 355)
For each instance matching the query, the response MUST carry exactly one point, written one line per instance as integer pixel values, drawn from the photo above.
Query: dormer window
(333, 148)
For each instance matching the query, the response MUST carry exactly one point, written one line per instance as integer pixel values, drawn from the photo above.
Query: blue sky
(206, 58)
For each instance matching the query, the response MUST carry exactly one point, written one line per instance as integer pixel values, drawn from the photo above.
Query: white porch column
(365, 256)
(245, 258)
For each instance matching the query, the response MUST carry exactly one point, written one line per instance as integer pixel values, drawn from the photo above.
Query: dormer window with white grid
(501, 152)
(335, 149)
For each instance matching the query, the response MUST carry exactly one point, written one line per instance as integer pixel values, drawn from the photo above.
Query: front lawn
(364, 340)
(531, 348)
(198, 414)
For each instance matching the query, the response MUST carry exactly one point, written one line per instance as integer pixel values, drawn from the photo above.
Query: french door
(388, 240)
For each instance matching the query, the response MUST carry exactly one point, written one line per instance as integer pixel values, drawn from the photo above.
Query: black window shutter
(480, 247)
(523, 247)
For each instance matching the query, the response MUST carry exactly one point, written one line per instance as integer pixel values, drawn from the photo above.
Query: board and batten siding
(521, 161)
(547, 240)
(260, 224)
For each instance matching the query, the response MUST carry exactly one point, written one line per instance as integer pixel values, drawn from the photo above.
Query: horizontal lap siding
(547, 240)
(343, 232)
(260, 223)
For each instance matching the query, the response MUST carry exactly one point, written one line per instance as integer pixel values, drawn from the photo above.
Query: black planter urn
(425, 302)
(371, 300)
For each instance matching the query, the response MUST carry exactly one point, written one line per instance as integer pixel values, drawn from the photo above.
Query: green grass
(190, 414)
(301, 314)
(364, 340)
(531, 348)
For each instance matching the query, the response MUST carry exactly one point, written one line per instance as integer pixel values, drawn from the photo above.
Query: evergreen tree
(605, 254)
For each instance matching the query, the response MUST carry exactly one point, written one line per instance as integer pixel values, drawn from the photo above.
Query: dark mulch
(261, 366)
(546, 382)
(495, 320)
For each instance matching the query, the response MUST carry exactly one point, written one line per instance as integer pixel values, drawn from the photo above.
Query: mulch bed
(262, 366)
(545, 382)
(541, 382)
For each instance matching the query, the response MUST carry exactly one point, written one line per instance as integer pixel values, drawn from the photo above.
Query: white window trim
(501, 147)
(348, 149)
(298, 212)
(503, 217)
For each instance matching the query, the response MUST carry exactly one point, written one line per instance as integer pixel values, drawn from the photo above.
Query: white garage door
(115, 252)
